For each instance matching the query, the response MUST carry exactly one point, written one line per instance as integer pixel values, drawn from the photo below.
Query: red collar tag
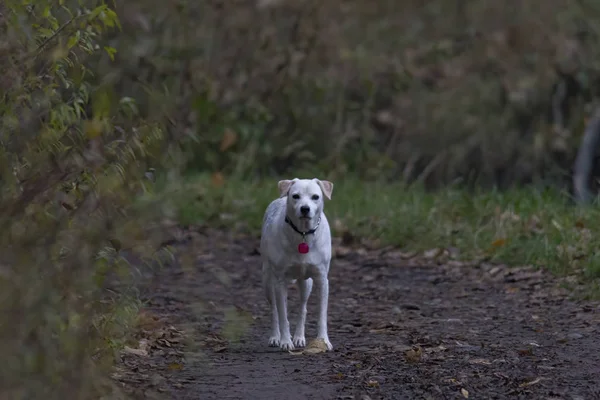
(303, 248)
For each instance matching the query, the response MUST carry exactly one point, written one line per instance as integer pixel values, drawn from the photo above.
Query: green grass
(518, 227)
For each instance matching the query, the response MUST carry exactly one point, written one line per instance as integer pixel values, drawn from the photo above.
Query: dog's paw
(299, 341)
(274, 341)
(327, 343)
(286, 344)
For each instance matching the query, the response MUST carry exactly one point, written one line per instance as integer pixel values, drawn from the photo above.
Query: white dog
(296, 246)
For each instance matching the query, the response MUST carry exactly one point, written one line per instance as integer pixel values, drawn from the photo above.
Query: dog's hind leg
(304, 287)
(275, 337)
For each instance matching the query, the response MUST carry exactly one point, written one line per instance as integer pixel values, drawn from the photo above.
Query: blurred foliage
(435, 92)
(73, 153)
(94, 94)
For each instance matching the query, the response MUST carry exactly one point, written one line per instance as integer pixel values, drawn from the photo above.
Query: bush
(437, 92)
(72, 161)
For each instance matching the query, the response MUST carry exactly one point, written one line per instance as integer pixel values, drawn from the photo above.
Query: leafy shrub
(72, 160)
(432, 92)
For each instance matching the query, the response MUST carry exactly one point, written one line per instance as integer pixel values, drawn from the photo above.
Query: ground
(402, 327)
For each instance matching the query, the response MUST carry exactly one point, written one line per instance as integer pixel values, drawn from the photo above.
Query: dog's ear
(284, 186)
(326, 187)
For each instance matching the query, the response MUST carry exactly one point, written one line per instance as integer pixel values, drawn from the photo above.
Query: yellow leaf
(92, 128)
(229, 139)
(175, 366)
(315, 346)
(498, 243)
(465, 393)
(414, 354)
(217, 179)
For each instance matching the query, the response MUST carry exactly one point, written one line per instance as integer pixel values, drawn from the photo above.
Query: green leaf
(102, 102)
(111, 51)
(73, 40)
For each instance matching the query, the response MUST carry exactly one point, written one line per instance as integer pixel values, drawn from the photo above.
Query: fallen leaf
(145, 320)
(217, 179)
(229, 139)
(480, 361)
(433, 253)
(579, 224)
(372, 383)
(137, 352)
(533, 382)
(498, 243)
(465, 393)
(315, 346)
(526, 352)
(175, 366)
(408, 255)
(413, 355)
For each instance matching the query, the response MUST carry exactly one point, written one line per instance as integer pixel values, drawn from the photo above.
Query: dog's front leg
(323, 287)
(269, 287)
(304, 287)
(275, 337)
(284, 325)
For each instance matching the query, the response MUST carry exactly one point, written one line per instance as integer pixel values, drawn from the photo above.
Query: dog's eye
(315, 197)
(296, 196)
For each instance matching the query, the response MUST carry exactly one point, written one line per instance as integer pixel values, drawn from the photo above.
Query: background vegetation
(110, 112)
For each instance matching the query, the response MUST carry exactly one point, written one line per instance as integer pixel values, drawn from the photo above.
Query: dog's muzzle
(305, 210)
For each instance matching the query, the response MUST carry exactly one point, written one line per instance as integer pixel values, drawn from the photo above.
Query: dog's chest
(300, 270)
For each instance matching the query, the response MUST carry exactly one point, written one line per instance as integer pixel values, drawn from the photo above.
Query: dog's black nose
(304, 210)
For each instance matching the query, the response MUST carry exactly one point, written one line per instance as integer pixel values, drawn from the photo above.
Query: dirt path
(484, 332)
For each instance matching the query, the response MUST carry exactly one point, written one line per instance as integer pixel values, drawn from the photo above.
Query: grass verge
(520, 226)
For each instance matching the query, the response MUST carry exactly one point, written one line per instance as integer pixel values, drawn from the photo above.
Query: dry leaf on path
(315, 346)
(465, 393)
(372, 383)
(480, 361)
(175, 366)
(413, 355)
(433, 253)
(137, 352)
(533, 382)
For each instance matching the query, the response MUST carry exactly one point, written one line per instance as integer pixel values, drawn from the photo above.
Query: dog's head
(305, 199)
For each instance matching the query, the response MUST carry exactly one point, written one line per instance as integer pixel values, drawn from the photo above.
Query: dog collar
(303, 247)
